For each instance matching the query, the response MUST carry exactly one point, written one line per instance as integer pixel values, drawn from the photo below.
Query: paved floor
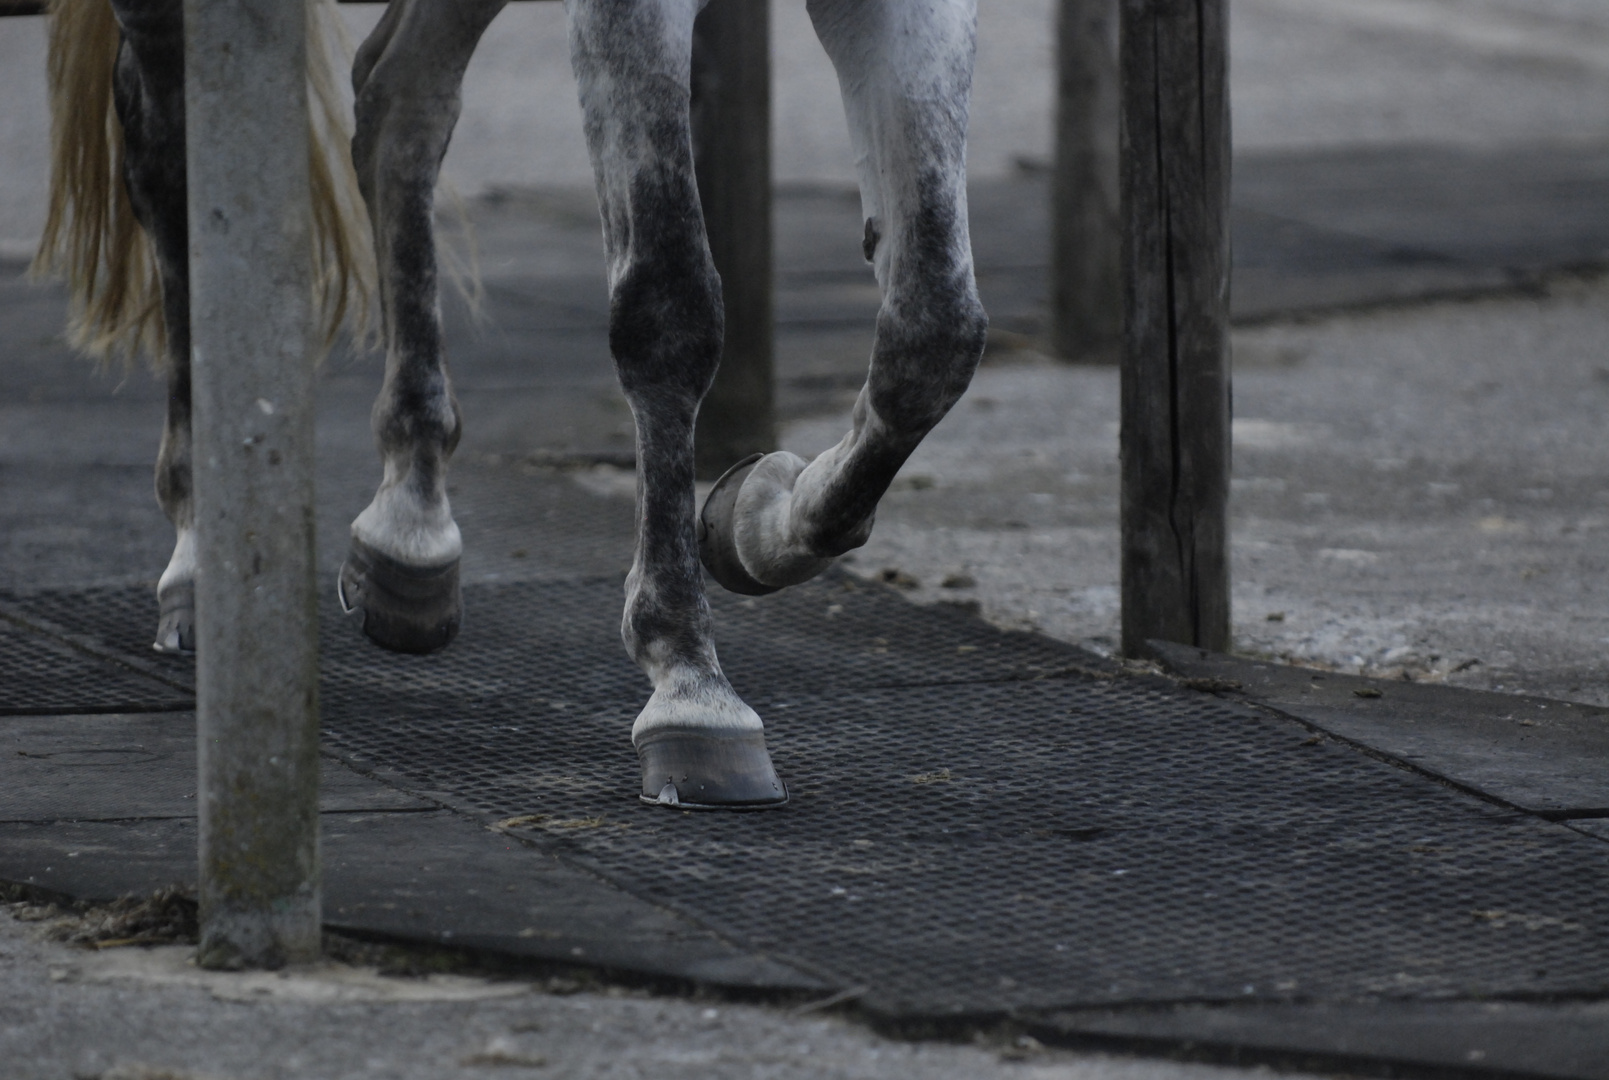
(1419, 487)
(148, 1015)
(974, 505)
(1417, 493)
(1305, 75)
(931, 759)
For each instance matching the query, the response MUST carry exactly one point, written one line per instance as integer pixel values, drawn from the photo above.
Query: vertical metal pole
(1175, 372)
(1086, 296)
(732, 158)
(251, 330)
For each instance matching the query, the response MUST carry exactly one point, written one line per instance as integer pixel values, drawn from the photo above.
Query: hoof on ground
(176, 620)
(717, 544)
(407, 609)
(708, 770)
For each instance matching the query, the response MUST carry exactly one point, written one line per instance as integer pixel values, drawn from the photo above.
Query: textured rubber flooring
(976, 825)
(42, 676)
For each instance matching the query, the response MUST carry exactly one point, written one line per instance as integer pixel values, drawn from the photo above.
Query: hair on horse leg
(402, 566)
(905, 66)
(697, 742)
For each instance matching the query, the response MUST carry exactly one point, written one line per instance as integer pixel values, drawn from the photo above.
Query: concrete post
(251, 328)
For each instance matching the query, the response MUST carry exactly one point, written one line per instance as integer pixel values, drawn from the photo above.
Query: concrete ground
(1305, 74)
(1420, 490)
(148, 1014)
(1407, 499)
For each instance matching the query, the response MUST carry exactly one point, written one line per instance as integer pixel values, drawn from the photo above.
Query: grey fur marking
(905, 70)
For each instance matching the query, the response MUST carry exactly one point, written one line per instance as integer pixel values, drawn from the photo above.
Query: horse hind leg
(698, 744)
(402, 567)
(905, 67)
(148, 94)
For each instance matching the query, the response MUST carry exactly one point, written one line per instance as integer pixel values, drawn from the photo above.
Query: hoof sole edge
(705, 770)
(717, 548)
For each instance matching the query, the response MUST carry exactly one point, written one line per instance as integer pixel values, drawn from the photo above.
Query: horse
(118, 230)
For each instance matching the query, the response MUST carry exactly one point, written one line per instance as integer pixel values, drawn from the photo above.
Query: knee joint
(390, 115)
(666, 324)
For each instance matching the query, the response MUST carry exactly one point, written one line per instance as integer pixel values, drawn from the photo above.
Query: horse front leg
(402, 567)
(905, 67)
(698, 744)
(148, 94)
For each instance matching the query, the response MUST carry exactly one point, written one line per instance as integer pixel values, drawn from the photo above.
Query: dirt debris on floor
(146, 1013)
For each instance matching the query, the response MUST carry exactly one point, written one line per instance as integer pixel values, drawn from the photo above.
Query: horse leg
(148, 93)
(402, 566)
(698, 743)
(905, 67)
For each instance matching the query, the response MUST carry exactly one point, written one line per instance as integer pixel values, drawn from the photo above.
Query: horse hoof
(717, 543)
(407, 609)
(708, 770)
(176, 620)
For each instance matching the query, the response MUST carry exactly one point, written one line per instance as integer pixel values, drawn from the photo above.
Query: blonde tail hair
(344, 270)
(91, 236)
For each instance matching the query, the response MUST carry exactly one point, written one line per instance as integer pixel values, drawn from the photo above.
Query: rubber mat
(43, 676)
(982, 821)
(133, 766)
(562, 639)
(1018, 846)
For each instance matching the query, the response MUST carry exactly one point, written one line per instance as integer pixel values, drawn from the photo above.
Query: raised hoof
(176, 620)
(717, 545)
(406, 609)
(708, 770)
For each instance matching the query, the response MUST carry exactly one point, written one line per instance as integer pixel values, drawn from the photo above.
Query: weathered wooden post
(1175, 369)
(257, 646)
(732, 156)
(1086, 296)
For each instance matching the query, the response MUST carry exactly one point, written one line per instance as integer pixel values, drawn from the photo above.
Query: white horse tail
(91, 236)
